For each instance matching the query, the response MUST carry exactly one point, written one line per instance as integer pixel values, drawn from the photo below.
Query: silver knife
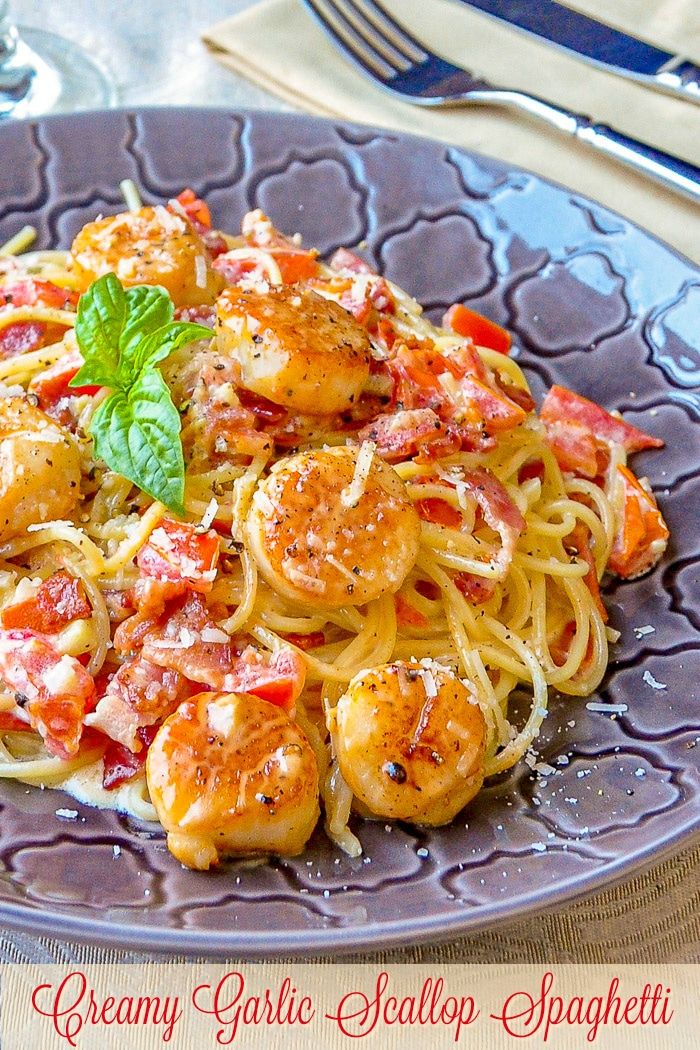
(598, 43)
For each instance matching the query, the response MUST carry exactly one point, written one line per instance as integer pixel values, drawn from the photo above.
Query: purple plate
(596, 304)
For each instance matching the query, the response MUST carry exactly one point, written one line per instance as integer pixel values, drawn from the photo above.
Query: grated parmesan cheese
(200, 271)
(209, 514)
(650, 680)
(352, 493)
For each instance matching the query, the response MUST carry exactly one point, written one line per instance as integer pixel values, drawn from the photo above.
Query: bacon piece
(200, 314)
(574, 446)
(120, 765)
(562, 405)
(278, 677)
(21, 337)
(499, 511)
(54, 689)
(642, 535)
(402, 434)
(30, 291)
(59, 601)
(345, 261)
(177, 552)
(140, 694)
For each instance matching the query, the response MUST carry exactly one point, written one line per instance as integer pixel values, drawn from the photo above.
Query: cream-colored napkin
(278, 45)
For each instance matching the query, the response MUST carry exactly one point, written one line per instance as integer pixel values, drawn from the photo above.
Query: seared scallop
(410, 742)
(231, 774)
(295, 348)
(333, 527)
(149, 246)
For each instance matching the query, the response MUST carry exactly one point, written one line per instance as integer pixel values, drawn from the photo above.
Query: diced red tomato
(578, 541)
(120, 764)
(51, 385)
(476, 589)
(278, 678)
(306, 642)
(12, 723)
(29, 291)
(177, 551)
(563, 406)
(439, 512)
(474, 326)
(642, 534)
(57, 688)
(295, 264)
(195, 208)
(407, 615)
(534, 468)
(59, 600)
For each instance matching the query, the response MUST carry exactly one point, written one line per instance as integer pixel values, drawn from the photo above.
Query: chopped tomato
(314, 640)
(562, 405)
(51, 385)
(474, 326)
(407, 614)
(122, 765)
(195, 208)
(477, 589)
(439, 512)
(534, 468)
(178, 551)
(278, 677)
(642, 534)
(59, 600)
(578, 541)
(21, 337)
(56, 688)
(29, 291)
(12, 723)
(295, 264)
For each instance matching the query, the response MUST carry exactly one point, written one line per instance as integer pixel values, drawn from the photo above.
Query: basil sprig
(123, 334)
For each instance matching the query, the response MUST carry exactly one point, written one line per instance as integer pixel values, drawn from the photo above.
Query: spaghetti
(382, 540)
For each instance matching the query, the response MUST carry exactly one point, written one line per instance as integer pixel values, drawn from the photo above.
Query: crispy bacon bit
(59, 600)
(563, 406)
(177, 552)
(499, 511)
(574, 446)
(405, 433)
(478, 328)
(139, 694)
(579, 542)
(345, 261)
(201, 314)
(642, 535)
(120, 764)
(266, 411)
(21, 337)
(57, 688)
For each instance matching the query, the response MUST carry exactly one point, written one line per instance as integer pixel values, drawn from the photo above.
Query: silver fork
(401, 65)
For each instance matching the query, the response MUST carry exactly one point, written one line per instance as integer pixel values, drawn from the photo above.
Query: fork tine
(390, 32)
(347, 38)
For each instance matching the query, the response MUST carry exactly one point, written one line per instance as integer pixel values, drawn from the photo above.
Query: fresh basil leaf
(138, 435)
(102, 314)
(148, 309)
(163, 342)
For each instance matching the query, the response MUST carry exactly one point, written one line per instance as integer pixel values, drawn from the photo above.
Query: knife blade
(600, 44)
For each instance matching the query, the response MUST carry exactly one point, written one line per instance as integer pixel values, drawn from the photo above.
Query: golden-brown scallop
(231, 774)
(294, 348)
(39, 468)
(333, 527)
(148, 246)
(410, 742)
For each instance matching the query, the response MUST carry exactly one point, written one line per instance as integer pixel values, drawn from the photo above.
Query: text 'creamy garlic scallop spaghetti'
(270, 540)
